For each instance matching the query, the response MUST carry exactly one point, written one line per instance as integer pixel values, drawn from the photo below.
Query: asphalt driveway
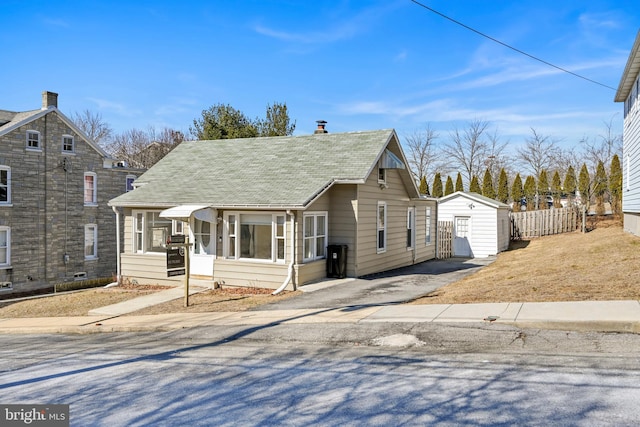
(392, 287)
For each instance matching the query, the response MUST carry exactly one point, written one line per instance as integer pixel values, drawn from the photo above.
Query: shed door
(461, 236)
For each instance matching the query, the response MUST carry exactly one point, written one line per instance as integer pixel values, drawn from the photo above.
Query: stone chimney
(49, 99)
(320, 128)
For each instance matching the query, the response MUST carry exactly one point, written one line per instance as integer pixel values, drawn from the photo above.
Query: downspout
(118, 277)
(293, 256)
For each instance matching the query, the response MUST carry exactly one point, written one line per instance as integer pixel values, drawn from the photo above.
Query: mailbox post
(178, 260)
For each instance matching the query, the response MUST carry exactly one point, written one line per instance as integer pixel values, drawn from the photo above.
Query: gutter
(118, 276)
(293, 256)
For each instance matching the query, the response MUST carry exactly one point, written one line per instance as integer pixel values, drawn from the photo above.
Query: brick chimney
(320, 128)
(49, 99)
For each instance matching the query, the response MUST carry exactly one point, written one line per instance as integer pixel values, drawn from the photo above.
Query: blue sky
(359, 65)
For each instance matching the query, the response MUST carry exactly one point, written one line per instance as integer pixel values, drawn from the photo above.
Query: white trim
(237, 236)
(73, 144)
(94, 197)
(381, 247)
(411, 227)
(91, 230)
(38, 147)
(8, 170)
(313, 238)
(7, 263)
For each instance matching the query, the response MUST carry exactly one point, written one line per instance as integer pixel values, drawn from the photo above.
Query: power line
(510, 47)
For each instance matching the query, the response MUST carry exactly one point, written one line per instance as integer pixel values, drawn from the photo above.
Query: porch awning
(184, 212)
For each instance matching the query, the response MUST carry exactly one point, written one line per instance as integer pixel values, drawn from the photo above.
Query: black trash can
(337, 261)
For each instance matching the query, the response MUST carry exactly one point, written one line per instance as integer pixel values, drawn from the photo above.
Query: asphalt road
(391, 287)
(391, 374)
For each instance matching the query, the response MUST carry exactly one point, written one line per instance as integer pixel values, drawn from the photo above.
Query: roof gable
(288, 171)
(25, 117)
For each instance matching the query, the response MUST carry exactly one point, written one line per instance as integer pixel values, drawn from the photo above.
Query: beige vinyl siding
(147, 269)
(342, 222)
(367, 260)
(247, 273)
(311, 271)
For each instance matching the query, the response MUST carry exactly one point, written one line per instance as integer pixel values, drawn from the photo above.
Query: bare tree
(539, 153)
(421, 154)
(93, 125)
(603, 148)
(143, 149)
(468, 149)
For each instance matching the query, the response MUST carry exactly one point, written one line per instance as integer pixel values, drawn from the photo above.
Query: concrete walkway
(618, 316)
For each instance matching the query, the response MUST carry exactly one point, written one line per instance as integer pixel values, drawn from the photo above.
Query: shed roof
(475, 197)
(268, 172)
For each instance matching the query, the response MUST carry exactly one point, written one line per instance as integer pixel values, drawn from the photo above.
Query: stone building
(55, 225)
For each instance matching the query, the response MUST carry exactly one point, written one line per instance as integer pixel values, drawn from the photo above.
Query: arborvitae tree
(474, 187)
(459, 185)
(584, 186)
(448, 188)
(517, 193)
(437, 185)
(530, 192)
(503, 187)
(600, 185)
(424, 187)
(487, 185)
(543, 189)
(569, 185)
(556, 189)
(615, 185)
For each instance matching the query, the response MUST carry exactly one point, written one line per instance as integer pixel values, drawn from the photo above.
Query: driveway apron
(392, 287)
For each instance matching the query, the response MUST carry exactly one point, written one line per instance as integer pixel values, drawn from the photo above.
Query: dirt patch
(599, 265)
(79, 303)
(218, 300)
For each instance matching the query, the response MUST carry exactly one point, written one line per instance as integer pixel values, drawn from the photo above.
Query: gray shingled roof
(257, 172)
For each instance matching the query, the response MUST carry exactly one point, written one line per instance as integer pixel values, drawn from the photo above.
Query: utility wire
(509, 46)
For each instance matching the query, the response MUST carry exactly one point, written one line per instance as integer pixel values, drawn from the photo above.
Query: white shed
(480, 224)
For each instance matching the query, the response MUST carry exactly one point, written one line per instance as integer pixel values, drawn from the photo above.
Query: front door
(202, 251)
(461, 236)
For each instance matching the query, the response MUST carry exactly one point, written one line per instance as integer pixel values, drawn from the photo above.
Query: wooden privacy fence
(445, 239)
(543, 222)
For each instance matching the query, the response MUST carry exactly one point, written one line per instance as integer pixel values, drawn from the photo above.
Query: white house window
(90, 189)
(315, 235)
(151, 232)
(427, 235)
(5, 185)
(255, 236)
(279, 236)
(411, 225)
(68, 145)
(129, 184)
(33, 140)
(382, 227)
(5, 247)
(90, 241)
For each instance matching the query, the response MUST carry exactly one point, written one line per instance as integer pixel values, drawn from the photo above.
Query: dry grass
(80, 303)
(227, 299)
(599, 265)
